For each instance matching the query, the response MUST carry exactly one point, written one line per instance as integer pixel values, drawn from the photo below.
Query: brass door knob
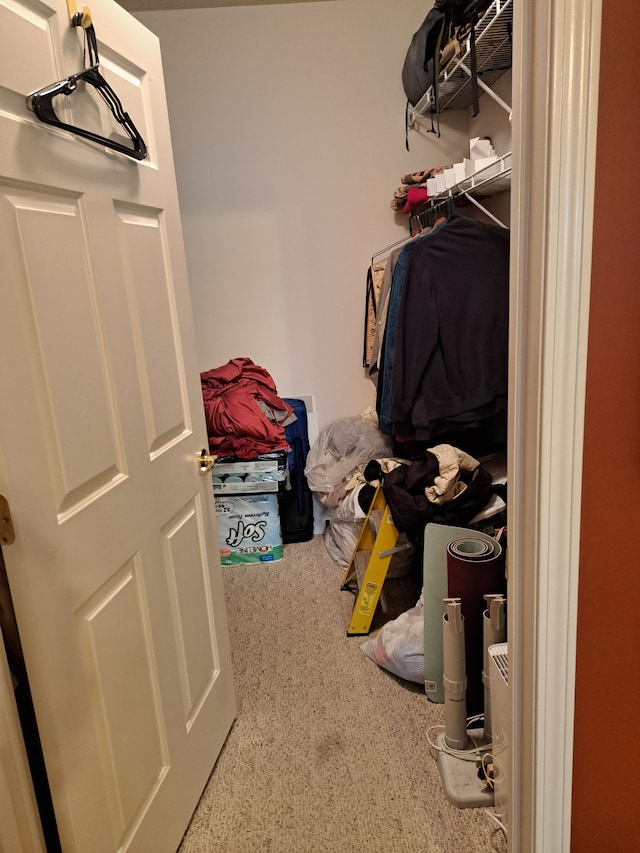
(205, 461)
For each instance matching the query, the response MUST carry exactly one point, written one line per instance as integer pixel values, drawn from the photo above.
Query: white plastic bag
(398, 646)
(343, 530)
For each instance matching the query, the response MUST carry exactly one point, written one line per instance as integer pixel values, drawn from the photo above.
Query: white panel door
(114, 572)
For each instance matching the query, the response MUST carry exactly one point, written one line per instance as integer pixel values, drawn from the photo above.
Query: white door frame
(555, 95)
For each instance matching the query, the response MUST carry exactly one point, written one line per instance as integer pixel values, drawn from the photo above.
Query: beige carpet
(328, 753)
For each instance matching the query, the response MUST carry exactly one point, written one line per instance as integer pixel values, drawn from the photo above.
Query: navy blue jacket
(452, 334)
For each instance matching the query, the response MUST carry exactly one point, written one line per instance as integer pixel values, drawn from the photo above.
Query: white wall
(288, 132)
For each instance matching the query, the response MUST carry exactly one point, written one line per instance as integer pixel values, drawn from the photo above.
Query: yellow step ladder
(370, 562)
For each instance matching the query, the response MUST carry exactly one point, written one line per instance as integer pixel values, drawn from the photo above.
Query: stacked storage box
(246, 497)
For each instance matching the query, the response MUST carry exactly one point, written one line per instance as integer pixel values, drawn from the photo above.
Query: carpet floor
(328, 752)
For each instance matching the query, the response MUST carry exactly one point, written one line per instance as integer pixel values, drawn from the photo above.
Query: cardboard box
(248, 529)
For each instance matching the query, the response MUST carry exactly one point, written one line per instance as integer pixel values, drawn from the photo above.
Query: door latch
(7, 533)
(205, 461)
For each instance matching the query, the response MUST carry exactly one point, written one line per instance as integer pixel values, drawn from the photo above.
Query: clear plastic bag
(341, 448)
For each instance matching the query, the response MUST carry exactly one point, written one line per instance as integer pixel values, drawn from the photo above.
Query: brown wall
(606, 790)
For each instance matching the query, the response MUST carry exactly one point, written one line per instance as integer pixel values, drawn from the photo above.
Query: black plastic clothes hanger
(41, 103)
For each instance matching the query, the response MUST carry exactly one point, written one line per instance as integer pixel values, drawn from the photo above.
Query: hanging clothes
(450, 337)
(386, 269)
(383, 400)
(381, 314)
(375, 274)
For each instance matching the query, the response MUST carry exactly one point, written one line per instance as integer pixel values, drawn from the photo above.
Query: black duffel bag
(418, 71)
(446, 21)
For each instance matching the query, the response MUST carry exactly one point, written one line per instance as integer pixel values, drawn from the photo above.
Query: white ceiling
(163, 5)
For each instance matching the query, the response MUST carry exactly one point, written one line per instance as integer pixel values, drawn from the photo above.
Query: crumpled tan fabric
(417, 177)
(448, 484)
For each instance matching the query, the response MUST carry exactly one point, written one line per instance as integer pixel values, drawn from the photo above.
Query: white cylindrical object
(494, 630)
(454, 676)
